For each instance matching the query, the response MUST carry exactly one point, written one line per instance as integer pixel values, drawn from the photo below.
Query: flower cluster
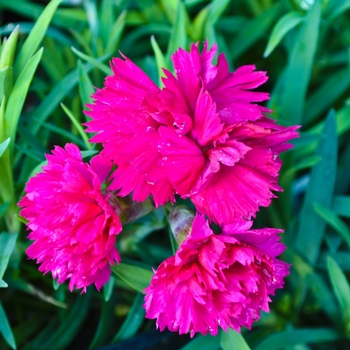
(203, 137)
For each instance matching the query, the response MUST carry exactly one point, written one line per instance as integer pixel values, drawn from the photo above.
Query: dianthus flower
(201, 136)
(73, 223)
(216, 280)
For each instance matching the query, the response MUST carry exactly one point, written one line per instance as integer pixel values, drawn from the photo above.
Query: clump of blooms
(72, 221)
(202, 136)
(217, 280)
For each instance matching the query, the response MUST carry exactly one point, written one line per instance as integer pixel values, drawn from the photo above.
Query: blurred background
(54, 53)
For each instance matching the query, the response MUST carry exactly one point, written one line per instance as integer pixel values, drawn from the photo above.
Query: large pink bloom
(217, 280)
(73, 224)
(202, 136)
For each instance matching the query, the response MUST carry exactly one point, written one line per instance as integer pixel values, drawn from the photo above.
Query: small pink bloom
(202, 136)
(73, 224)
(217, 280)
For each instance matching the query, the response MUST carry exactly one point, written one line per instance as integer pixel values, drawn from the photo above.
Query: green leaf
(295, 337)
(96, 63)
(34, 38)
(133, 321)
(342, 258)
(3, 208)
(8, 51)
(116, 33)
(300, 67)
(282, 27)
(5, 83)
(5, 329)
(233, 340)
(336, 7)
(104, 323)
(341, 205)
(108, 288)
(329, 92)
(55, 96)
(86, 88)
(320, 191)
(203, 343)
(178, 37)
(333, 220)
(18, 96)
(7, 244)
(68, 328)
(341, 290)
(254, 30)
(3, 284)
(3, 146)
(78, 126)
(135, 276)
(160, 59)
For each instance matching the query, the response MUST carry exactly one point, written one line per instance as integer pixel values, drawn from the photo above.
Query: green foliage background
(48, 67)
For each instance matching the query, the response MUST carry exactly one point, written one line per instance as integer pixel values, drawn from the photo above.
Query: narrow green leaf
(216, 9)
(178, 37)
(5, 329)
(320, 191)
(135, 276)
(341, 205)
(34, 38)
(282, 27)
(233, 340)
(254, 30)
(300, 67)
(203, 343)
(5, 83)
(8, 51)
(96, 63)
(198, 24)
(324, 97)
(7, 244)
(160, 59)
(298, 336)
(116, 33)
(18, 96)
(3, 146)
(3, 284)
(342, 258)
(78, 126)
(336, 7)
(85, 86)
(104, 323)
(70, 325)
(333, 220)
(3, 208)
(133, 321)
(55, 96)
(341, 290)
(106, 20)
(108, 288)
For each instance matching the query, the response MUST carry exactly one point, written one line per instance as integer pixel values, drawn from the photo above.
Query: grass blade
(233, 340)
(300, 66)
(7, 244)
(341, 290)
(34, 38)
(296, 337)
(18, 96)
(203, 343)
(135, 276)
(320, 191)
(282, 27)
(5, 329)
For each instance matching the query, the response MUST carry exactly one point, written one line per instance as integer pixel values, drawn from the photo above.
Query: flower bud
(180, 220)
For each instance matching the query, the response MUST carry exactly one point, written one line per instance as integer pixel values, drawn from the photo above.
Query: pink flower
(217, 280)
(202, 136)
(73, 223)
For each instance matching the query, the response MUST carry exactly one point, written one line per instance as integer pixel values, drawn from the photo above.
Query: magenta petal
(212, 282)
(73, 225)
